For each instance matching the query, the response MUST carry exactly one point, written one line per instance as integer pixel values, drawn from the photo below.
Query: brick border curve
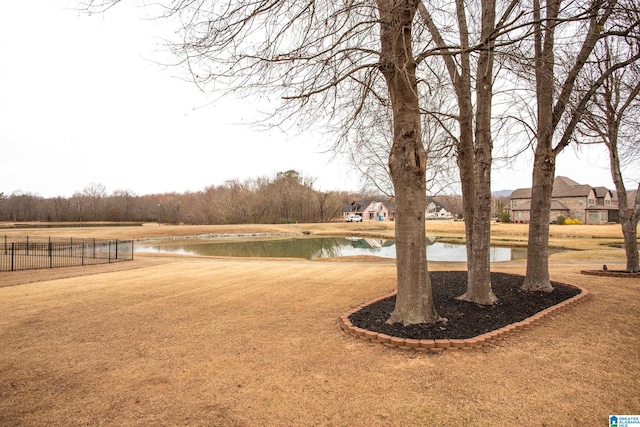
(441, 345)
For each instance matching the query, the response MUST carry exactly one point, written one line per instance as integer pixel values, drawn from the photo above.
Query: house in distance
(370, 210)
(590, 205)
(373, 210)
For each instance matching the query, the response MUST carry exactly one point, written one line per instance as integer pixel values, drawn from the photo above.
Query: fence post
(82, 256)
(109, 256)
(5, 244)
(13, 253)
(116, 249)
(131, 249)
(50, 255)
(27, 248)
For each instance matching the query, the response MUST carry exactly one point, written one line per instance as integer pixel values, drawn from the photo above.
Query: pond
(316, 247)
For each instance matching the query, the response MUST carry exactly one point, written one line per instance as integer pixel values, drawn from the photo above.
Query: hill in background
(501, 193)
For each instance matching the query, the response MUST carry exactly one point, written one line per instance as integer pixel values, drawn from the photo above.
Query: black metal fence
(34, 254)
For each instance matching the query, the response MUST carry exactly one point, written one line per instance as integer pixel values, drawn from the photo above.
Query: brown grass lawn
(164, 341)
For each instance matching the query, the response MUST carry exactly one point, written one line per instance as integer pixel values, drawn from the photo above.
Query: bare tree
(612, 120)
(326, 57)
(559, 104)
(61, 208)
(122, 200)
(22, 206)
(2, 202)
(79, 206)
(232, 202)
(95, 194)
(474, 141)
(170, 209)
(407, 163)
(329, 205)
(369, 151)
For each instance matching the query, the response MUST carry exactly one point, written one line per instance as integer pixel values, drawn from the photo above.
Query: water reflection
(317, 247)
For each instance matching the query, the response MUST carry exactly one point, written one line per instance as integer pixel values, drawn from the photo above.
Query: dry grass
(202, 341)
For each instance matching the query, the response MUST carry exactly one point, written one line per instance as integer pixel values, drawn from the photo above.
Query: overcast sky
(82, 101)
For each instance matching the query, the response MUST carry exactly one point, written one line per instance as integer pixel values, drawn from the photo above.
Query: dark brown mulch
(464, 319)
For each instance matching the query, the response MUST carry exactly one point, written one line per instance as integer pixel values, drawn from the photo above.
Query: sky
(83, 100)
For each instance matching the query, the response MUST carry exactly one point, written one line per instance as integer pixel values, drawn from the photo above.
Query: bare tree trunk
(465, 158)
(628, 220)
(537, 275)
(407, 164)
(465, 150)
(473, 156)
(479, 288)
(479, 269)
(630, 233)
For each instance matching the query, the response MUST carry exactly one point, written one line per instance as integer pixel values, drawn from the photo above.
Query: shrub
(505, 217)
(561, 220)
(569, 221)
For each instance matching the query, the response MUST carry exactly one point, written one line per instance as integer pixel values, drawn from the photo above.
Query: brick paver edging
(440, 345)
(611, 273)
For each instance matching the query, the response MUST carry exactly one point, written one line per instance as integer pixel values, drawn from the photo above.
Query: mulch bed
(464, 319)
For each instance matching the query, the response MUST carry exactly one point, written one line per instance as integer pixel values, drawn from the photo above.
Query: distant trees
(94, 194)
(20, 206)
(59, 209)
(121, 206)
(287, 197)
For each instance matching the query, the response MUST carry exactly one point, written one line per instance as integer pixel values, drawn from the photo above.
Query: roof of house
(562, 187)
(521, 193)
(376, 206)
(565, 187)
(431, 200)
(357, 206)
(601, 191)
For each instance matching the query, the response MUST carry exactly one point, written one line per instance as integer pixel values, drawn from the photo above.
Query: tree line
(286, 197)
